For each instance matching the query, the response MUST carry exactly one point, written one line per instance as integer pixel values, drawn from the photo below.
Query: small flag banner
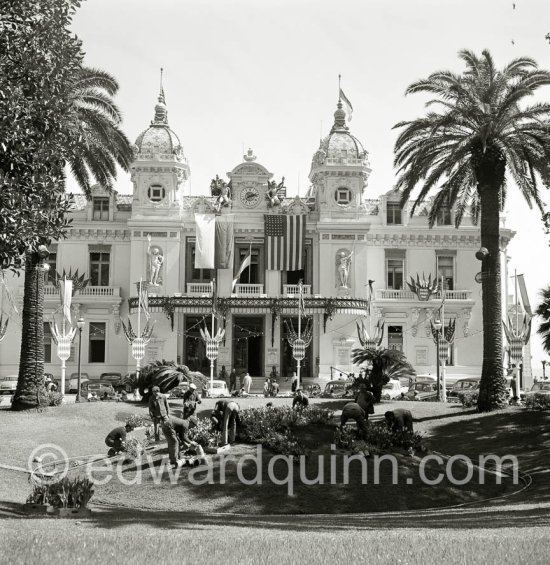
(246, 263)
(284, 241)
(215, 241)
(347, 105)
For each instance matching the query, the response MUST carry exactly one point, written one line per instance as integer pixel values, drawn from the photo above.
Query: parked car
(408, 381)
(98, 389)
(339, 388)
(73, 381)
(117, 380)
(392, 389)
(422, 390)
(537, 388)
(215, 389)
(463, 385)
(8, 384)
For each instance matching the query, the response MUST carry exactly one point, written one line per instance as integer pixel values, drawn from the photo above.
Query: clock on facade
(250, 197)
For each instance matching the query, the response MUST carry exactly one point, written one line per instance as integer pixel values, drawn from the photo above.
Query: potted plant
(38, 501)
(69, 497)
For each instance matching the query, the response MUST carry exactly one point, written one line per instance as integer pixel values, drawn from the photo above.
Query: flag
(524, 296)
(215, 241)
(213, 284)
(66, 295)
(347, 105)
(206, 237)
(143, 297)
(284, 241)
(224, 242)
(246, 263)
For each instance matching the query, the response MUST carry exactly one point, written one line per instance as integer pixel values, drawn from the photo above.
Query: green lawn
(173, 517)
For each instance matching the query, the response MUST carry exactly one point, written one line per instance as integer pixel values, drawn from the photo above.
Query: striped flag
(284, 241)
(143, 297)
(347, 105)
(246, 263)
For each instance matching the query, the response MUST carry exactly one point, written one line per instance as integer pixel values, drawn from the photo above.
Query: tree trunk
(492, 389)
(30, 385)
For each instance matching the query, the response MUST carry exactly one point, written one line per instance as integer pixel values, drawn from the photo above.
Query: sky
(263, 74)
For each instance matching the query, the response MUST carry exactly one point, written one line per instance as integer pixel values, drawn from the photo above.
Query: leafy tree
(478, 133)
(543, 310)
(386, 364)
(40, 58)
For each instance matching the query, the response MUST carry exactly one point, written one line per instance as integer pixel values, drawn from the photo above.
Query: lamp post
(437, 327)
(80, 325)
(543, 370)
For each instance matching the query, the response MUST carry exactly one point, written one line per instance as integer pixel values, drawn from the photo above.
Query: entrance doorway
(288, 363)
(248, 345)
(195, 348)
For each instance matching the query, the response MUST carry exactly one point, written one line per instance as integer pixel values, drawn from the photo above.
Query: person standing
(247, 383)
(159, 410)
(294, 382)
(223, 376)
(232, 380)
(190, 400)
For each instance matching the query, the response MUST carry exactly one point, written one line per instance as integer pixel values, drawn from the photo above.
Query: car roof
(216, 381)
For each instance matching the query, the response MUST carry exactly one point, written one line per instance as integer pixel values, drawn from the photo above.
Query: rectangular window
(100, 209)
(393, 213)
(192, 274)
(47, 343)
(395, 337)
(394, 273)
(99, 268)
(445, 270)
(97, 342)
(444, 216)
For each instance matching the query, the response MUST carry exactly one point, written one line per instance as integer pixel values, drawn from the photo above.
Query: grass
(502, 531)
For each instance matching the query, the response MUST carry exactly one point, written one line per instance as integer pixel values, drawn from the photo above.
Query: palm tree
(100, 145)
(543, 310)
(386, 364)
(478, 135)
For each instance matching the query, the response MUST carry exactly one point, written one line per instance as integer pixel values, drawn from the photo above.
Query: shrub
(53, 398)
(284, 443)
(136, 421)
(203, 435)
(67, 493)
(468, 398)
(317, 415)
(537, 401)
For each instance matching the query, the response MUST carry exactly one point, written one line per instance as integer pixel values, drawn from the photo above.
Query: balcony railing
(294, 289)
(52, 290)
(249, 289)
(401, 294)
(199, 289)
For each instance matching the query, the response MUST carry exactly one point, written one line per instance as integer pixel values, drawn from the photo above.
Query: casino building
(360, 248)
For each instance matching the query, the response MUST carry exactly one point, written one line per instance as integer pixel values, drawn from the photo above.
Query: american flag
(284, 241)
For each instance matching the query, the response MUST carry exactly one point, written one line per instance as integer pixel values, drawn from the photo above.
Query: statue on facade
(343, 263)
(221, 189)
(274, 192)
(156, 259)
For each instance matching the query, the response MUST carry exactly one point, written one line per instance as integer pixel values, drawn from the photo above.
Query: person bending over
(399, 419)
(116, 439)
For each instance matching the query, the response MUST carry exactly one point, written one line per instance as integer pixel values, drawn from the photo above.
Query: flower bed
(537, 401)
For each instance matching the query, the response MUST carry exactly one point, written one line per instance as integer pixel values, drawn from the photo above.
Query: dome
(339, 145)
(158, 137)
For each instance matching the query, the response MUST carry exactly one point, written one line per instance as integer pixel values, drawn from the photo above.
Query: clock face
(250, 197)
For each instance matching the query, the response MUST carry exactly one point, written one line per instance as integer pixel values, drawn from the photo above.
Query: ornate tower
(160, 168)
(339, 170)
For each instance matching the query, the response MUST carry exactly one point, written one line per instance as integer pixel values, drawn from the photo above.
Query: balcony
(294, 289)
(90, 291)
(199, 289)
(249, 289)
(406, 295)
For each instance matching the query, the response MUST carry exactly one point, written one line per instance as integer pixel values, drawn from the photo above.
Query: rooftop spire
(161, 115)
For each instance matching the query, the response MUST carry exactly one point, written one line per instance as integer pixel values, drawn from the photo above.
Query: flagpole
(444, 391)
(299, 328)
(516, 300)
(212, 335)
(139, 323)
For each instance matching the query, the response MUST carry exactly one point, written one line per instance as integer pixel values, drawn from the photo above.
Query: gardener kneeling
(399, 420)
(116, 439)
(176, 432)
(300, 400)
(225, 418)
(352, 411)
